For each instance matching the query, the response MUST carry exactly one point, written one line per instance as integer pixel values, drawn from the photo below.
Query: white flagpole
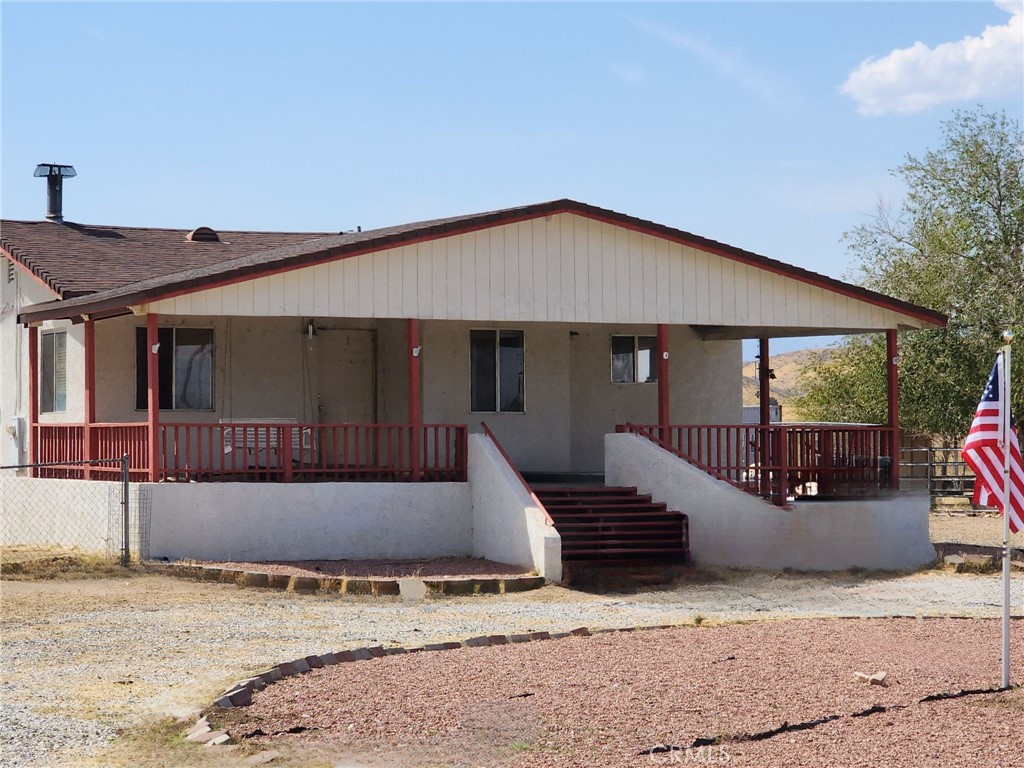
(1005, 397)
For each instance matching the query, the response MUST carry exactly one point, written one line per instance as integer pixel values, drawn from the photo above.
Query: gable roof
(251, 255)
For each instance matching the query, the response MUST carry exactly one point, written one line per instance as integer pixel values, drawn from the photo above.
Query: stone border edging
(240, 694)
(344, 585)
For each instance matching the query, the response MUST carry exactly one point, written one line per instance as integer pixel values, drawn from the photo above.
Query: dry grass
(47, 563)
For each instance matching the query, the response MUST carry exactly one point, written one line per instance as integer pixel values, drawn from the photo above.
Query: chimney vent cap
(55, 169)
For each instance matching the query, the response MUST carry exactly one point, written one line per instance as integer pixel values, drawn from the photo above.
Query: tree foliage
(955, 245)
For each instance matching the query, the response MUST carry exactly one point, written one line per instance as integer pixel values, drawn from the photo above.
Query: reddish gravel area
(439, 567)
(603, 700)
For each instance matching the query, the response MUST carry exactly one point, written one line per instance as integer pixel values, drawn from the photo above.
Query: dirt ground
(985, 530)
(91, 668)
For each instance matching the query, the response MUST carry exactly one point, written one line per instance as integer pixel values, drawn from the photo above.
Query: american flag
(984, 452)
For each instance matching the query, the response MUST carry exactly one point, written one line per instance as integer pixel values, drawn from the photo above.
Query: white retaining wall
(508, 526)
(310, 521)
(731, 528)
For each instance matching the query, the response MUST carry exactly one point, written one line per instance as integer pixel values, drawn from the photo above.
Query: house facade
(358, 364)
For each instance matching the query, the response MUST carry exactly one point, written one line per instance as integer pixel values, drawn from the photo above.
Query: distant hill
(785, 386)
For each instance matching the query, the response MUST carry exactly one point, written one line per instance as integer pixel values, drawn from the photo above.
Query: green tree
(955, 245)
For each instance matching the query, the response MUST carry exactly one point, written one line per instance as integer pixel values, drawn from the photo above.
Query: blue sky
(770, 126)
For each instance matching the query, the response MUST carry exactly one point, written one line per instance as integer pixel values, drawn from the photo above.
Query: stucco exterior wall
(537, 439)
(508, 527)
(731, 528)
(310, 521)
(571, 402)
(263, 368)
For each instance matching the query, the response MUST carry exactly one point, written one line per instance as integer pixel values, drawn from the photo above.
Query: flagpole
(1005, 398)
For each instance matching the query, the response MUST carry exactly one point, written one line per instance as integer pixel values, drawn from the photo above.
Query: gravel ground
(439, 567)
(605, 700)
(985, 530)
(84, 659)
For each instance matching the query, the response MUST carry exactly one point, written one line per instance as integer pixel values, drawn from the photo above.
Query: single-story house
(386, 392)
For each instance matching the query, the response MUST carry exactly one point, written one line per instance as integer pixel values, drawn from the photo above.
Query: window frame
(497, 368)
(636, 337)
(57, 394)
(142, 376)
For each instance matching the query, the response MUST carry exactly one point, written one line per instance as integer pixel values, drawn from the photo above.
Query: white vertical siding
(559, 268)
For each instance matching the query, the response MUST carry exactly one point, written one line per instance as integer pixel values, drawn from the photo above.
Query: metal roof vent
(203, 235)
(55, 175)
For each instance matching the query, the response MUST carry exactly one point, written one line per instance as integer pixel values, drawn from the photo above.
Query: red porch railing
(59, 444)
(783, 460)
(259, 451)
(285, 452)
(63, 444)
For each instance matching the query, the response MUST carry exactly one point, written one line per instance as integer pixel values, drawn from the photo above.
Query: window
(633, 359)
(185, 365)
(53, 374)
(496, 362)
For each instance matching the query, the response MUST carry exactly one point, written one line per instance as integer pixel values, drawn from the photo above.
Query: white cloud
(916, 78)
(728, 63)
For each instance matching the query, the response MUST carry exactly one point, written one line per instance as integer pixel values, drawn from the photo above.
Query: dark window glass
(483, 370)
(184, 365)
(511, 365)
(53, 392)
(193, 368)
(634, 359)
(622, 359)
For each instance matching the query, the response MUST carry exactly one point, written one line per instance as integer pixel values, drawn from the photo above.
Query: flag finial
(1007, 336)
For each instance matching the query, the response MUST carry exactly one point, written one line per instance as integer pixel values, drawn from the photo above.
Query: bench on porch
(261, 440)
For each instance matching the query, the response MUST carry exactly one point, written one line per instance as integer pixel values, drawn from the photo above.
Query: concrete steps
(614, 524)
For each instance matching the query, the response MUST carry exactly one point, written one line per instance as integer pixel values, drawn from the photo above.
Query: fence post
(126, 554)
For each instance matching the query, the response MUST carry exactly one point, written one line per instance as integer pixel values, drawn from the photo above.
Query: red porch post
(893, 381)
(153, 382)
(764, 383)
(764, 411)
(88, 446)
(412, 333)
(664, 420)
(33, 394)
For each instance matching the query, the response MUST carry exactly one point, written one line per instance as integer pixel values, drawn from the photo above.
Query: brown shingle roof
(212, 263)
(75, 259)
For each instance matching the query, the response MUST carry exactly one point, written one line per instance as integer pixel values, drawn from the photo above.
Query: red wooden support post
(661, 349)
(88, 442)
(764, 383)
(33, 395)
(412, 327)
(764, 407)
(893, 380)
(287, 435)
(153, 381)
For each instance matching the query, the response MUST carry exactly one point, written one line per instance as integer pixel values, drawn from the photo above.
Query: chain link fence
(51, 512)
